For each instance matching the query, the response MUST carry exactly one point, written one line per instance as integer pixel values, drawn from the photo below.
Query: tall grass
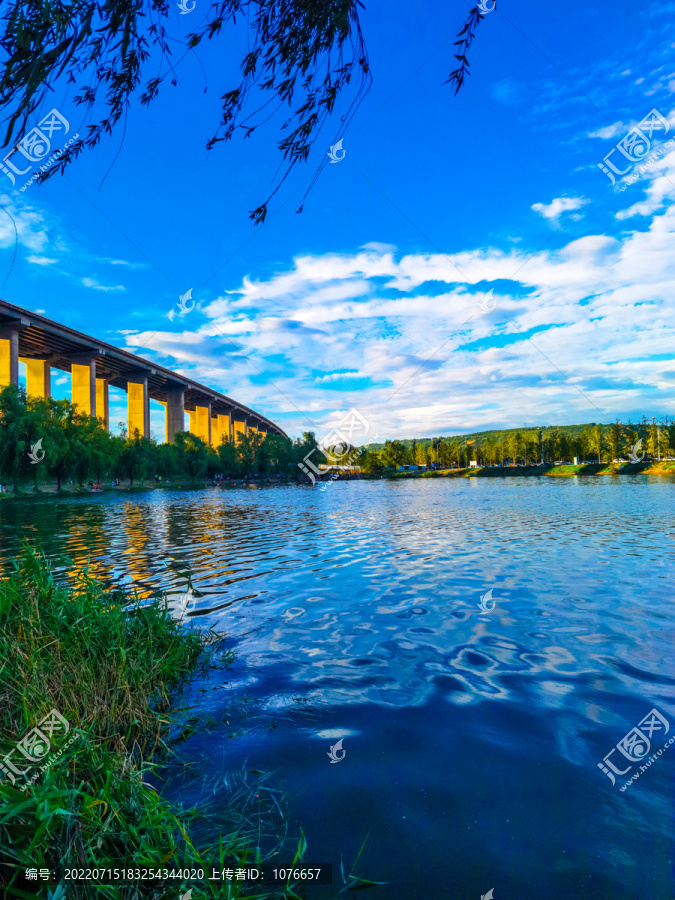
(112, 672)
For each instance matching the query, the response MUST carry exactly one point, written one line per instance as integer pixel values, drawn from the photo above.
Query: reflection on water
(472, 739)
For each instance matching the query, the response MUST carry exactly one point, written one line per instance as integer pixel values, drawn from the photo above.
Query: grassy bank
(49, 488)
(111, 674)
(665, 467)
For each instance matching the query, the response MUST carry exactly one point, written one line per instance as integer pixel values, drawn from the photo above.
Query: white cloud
(337, 376)
(31, 226)
(608, 131)
(41, 260)
(659, 183)
(97, 286)
(560, 205)
(402, 338)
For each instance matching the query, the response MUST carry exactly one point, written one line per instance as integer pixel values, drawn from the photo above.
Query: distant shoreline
(650, 467)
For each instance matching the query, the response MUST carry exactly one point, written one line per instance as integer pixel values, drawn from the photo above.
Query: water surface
(472, 740)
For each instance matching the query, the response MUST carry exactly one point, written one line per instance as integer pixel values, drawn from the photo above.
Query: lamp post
(658, 437)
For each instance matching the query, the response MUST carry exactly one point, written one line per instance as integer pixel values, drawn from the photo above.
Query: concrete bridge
(94, 365)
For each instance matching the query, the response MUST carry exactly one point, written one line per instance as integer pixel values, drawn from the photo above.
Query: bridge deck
(43, 339)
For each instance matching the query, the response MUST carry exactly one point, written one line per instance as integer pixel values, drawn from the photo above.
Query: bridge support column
(138, 406)
(83, 383)
(239, 430)
(38, 377)
(9, 357)
(203, 422)
(102, 409)
(221, 423)
(174, 420)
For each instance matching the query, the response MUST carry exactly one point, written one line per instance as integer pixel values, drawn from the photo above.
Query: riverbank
(126, 487)
(88, 691)
(652, 467)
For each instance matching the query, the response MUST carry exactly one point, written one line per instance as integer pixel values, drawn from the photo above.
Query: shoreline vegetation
(650, 467)
(53, 447)
(548, 470)
(110, 669)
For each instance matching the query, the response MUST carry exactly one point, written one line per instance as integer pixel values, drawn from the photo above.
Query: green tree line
(73, 446)
(590, 443)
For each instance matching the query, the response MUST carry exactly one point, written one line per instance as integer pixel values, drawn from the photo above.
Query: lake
(471, 740)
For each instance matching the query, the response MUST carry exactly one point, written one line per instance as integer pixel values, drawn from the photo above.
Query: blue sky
(369, 299)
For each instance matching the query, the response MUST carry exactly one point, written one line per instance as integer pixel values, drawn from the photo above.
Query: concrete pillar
(138, 405)
(174, 417)
(192, 420)
(102, 409)
(83, 383)
(220, 429)
(239, 429)
(203, 422)
(9, 357)
(38, 377)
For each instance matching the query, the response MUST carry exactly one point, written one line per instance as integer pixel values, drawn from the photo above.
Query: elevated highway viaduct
(94, 366)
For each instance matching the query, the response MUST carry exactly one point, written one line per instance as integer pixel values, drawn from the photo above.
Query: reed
(113, 671)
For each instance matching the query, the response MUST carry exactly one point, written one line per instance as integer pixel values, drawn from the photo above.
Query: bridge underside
(94, 366)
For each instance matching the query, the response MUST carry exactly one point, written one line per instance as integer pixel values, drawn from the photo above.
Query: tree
(393, 453)
(246, 455)
(615, 438)
(194, 453)
(654, 439)
(670, 432)
(370, 462)
(597, 440)
(302, 55)
(502, 448)
(61, 433)
(229, 460)
(19, 432)
(549, 447)
(586, 440)
(280, 452)
(515, 443)
(488, 450)
(136, 456)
